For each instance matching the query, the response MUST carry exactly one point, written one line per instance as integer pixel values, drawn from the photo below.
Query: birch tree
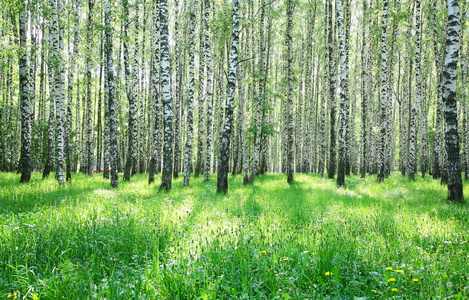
(110, 98)
(89, 102)
(166, 97)
(190, 104)
(24, 99)
(455, 191)
(155, 91)
(223, 170)
(412, 164)
(343, 115)
(384, 92)
(289, 42)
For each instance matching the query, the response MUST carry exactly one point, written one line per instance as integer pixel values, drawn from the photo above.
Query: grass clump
(307, 240)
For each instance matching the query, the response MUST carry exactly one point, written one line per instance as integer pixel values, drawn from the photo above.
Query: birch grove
(155, 87)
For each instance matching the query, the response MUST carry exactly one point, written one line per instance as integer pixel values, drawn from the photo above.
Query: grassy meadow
(309, 240)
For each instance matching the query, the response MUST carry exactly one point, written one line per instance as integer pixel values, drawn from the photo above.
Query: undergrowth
(307, 240)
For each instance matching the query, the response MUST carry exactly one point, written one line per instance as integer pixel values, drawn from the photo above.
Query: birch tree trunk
(364, 140)
(223, 169)
(129, 93)
(331, 100)
(71, 80)
(49, 166)
(260, 98)
(155, 91)
(190, 104)
(177, 91)
(455, 191)
(58, 45)
(113, 155)
(343, 115)
(289, 42)
(89, 123)
(133, 105)
(411, 169)
(166, 97)
(384, 92)
(24, 98)
(209, 96)
(200, 101)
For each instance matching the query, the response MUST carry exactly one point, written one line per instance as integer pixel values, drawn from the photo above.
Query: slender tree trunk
(223, 170)
(177, 90)
(455, 191)
(208, 89)
(332, 99)
(343, 115)
(289, 42)
(167, 102)
(260, 97)
(49, 166)
(89, 125)
(201, 125)
(24, 99)
(113, 155)
(130, 96)
(384, 92)
(190, 104)
(364, 140)
(99, 125)
(155, 91)
(71, 80)
(411, 169)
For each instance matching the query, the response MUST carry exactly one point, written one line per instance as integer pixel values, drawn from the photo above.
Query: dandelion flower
(398, 271)
(264, 252)
(394, 290)
(388, 268)
(366, 228)
(175, 256)
(392, 279)
(461, 252)
(374, 291)
(13, 295)
(415, 280)
(285, 259)
(329, 274)
(388, 234)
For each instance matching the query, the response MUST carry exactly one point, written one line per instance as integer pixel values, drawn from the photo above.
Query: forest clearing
(307, 240)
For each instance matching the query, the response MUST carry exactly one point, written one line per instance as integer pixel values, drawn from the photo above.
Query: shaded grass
(267, 241)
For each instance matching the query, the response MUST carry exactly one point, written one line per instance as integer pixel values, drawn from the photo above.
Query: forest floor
(309, 240)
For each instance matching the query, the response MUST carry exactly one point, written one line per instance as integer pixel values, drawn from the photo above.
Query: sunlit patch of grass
(307, 240)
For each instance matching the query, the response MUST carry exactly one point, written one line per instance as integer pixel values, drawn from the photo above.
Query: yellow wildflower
(264, 252)
(461, 252)
(392, 279)
(13, 295)
(175, 256)
(415, 280)
(329, 274)
(388, 268)
(388, 233)
(285, 259)
(366, 228)
(398, 271)
(394, 290)
(374, 291)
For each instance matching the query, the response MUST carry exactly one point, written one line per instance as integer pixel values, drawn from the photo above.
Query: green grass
(308, 240)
